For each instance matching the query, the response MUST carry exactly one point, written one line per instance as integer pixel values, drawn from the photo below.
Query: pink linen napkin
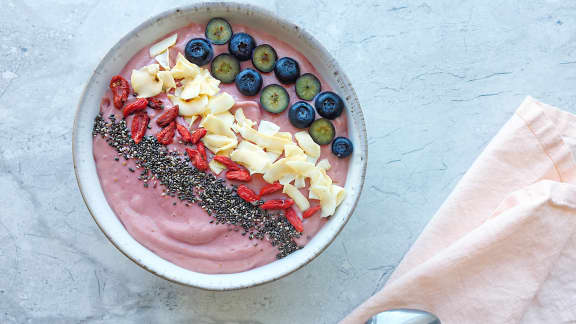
(502, 248)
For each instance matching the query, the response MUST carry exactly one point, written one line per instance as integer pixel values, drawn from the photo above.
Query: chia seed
(181, 180)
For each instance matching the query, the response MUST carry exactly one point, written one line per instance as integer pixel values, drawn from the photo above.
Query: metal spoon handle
(404, 316)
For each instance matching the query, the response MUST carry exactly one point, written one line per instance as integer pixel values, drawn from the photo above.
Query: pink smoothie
(184, 235)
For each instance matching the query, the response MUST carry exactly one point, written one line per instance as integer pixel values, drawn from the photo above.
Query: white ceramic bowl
(115, 60)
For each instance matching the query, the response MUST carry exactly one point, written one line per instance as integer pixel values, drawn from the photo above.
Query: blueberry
(249, 82)
(301, 114)
(329, 105)
(342, 147)
(218, 31)
(198, 51)
(225, 68)
(241, 46)
(287, 70)
(322, 131)
(274, 98)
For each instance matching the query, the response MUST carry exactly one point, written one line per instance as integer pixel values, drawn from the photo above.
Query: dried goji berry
(166, 135)
(229, 164)
(184, 133)
(293, 218)
(155, 103)
(120, 90)
(311, 211)
(247, 194)
(197, 159)
(277, 204)
(191, 153)
(198, 134)
(135, 106)
(238, 175)
(270, 188)
(139, 126)
(167, 117)
(200, 163)
(202, 150)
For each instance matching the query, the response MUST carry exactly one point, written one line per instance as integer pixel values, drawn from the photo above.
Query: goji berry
(229, 164)
(191, 153)
(202, 150)
(293, 218)
(238, 175)
(277, 204)
(166, 135)
(184, 133)
(311, 211)
(198, 134)
(139, 126)
(197, 159)
(155, 103)
(247, 194)
(168, 116)
(200, 163)
(135, 106)
(270, 188)
(120, 90)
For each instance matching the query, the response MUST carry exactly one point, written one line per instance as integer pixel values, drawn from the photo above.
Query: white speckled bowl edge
(114, 61)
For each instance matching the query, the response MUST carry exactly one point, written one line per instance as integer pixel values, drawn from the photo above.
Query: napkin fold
(502, 248)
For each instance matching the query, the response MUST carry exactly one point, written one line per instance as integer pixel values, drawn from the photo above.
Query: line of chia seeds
(185, 182)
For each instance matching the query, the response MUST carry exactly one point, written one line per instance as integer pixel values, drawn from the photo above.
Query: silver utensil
(404, 316)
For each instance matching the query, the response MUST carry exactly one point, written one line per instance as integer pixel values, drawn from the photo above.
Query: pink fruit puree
(183, 235)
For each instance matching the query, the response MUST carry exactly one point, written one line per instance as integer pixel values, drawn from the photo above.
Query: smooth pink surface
(183, 235)
(502, 248)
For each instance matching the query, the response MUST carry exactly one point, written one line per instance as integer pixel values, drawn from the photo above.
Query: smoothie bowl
(219, 147)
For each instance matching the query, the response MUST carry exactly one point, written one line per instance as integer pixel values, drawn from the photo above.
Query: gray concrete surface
(436, 79)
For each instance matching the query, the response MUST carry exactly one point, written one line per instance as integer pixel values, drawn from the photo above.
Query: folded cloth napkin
(502, 248)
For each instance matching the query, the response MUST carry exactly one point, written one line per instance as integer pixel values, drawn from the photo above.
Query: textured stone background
(436, 79)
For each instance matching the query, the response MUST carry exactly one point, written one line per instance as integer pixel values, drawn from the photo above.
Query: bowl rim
(260, 11)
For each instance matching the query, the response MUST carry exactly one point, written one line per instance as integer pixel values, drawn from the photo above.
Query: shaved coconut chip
(184, 68)
(145, 82)
(300, 182)
(276, 171)
(221, 103)
(311, 159)
(299, 199)
(311, 195)
(218, 126)
(191, 89)
(163, 45)
(270, 143)
(268, 128)
(251, 156)
(324, 164)
(226, 117)
(219, 143)
(307, 144)
(167, 80)
(272, 156)
(216, 167)
(287, 179)
(196, 106)
(242, 120)
(285, 136)
(339, 194)
(301, 167)
(164, 59)
(292, 150)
